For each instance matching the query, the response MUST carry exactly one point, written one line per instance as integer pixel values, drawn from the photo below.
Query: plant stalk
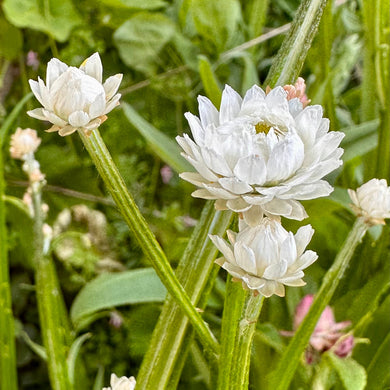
(282, 376)
(146, 239)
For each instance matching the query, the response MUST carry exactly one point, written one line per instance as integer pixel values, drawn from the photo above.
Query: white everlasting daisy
(372, 201)
(122, 383)
(75, 98)
(260, 154)
(266, 257)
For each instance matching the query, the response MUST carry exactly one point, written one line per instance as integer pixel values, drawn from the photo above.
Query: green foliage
(141, 38)
(169, 52)
(55, 18)
(111, 290)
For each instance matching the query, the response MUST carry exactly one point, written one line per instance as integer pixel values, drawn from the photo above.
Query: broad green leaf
(10, 40)
(55, 18)
(141, 39)
(210, 81)
(165, 148)
(351, 373)
(135, 4)
(116, 289)
(216, 20)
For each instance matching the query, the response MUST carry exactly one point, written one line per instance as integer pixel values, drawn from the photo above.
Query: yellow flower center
(262, 127)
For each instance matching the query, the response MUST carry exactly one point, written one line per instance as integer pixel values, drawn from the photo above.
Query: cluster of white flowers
(122, 383)
(259, 156)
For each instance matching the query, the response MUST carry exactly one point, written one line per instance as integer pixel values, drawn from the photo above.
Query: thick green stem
(233, 308)
(146, 239)
(171, 333)
(8, 373)
(243, 345)
(291, 56)
(284, 373)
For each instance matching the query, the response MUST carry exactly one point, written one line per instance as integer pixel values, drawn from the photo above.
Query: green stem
(290, 58)
(284, 373)
(54, 327)
(172, 333)
(146, 239)
(8, 377)
(241, 357)
(233, 308)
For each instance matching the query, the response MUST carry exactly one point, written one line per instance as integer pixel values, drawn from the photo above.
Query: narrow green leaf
(74, 352)
(135, 4)
(210, 81)
(291, 56)
(37, 348)
(6, 126)
(116, 289)
(352, 374)
(378, 370)
(164, 147)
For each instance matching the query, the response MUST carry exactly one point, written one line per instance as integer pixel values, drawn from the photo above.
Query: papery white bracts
(75, 98)
(372, 201)
(122, 383)
(265, 258)
(261, 154)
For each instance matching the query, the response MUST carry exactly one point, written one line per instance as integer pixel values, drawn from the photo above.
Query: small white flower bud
(122, 383)
(23, 143)
(371, 201)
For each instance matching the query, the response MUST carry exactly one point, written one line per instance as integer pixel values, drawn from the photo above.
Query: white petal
(224, 248)
(251, 169)
(93, 124)
(238, 205)
(78, 119)
(53, 118)
(196, 128)
(215, 162)
(275, 271)
(207, 112)
(201, 168)
(254, 93)
(34, 85)
(285, 158)
(112, 103)
(67, 130)
(38, 114)
(230, 105)
(307, 123)
(245, 258)
(193, 178)
(254, 282)
(234, 185)
(308, 258)
(97, 107)
(219, 192)
(92, 66)
(288, 250)
(203, 194)
(55, 68)
(302, 238)
(111, 85)
(253, 216)
(308, 191)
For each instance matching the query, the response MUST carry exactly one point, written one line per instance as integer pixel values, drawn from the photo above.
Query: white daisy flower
(372, 201)
(75, 98)
(260, 154)
(265, 258)
(122, 383)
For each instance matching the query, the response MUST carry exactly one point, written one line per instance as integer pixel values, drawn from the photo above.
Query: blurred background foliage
(169, 52)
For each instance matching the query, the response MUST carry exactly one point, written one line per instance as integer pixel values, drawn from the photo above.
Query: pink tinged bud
(32, 59)
(166, 174)
(327, 333)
